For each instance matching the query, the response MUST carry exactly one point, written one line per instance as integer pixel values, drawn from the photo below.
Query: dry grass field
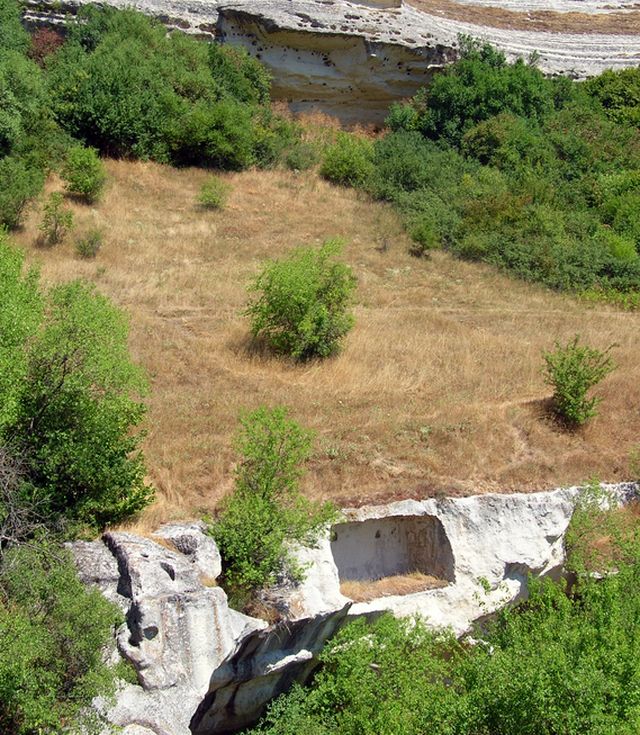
(397, 584)
(548, 21)
(439, 388)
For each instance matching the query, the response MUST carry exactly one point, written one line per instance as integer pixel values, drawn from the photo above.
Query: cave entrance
(391, 556)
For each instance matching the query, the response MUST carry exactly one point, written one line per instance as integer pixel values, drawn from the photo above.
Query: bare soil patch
(615, 23)
(439, 388)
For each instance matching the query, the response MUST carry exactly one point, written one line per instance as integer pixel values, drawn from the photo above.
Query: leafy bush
(44, 42)
(301, 303)
(348, 160)
(619, 94)
(88, 245)
(182, 101)
(53, 632)
(302, 156)
(477, 87)
(572, 370)
(57, 220)
(266, 512)
(66, 397)
(213, 193)
(84, 173)
(19, 183)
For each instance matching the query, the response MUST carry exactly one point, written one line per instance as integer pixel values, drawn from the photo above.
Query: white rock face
(352, 60)
(204, 668)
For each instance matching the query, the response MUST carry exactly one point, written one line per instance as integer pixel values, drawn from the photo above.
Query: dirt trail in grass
(439, 388)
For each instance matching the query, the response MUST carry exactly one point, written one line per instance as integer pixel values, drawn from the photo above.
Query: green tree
(68, 396)
(266, 511)
(301, 303)
(348, 160)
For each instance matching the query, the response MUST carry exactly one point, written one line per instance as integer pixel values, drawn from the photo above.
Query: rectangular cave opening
(395, 555)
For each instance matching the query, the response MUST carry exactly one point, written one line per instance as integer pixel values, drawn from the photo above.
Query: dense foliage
(182, 100)
(497, 162)
(563, 663)
(53, 632)
(67, 396)
(300, 303)
(266, 511)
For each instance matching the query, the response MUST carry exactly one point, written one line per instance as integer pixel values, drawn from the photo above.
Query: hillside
(439, 388)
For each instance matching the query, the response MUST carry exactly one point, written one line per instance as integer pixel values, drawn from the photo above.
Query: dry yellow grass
(399, 584)
(547, 21)
(439, 387)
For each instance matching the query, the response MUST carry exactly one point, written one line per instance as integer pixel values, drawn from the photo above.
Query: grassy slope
(439, 387)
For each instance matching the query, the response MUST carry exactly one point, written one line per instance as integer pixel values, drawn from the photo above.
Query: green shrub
(266, 510)
(619, 94)
(213, 193)
(67, 397)
(348, 160)
(53, 634)
(19, 182)
(57, 220)
(573, 369)
(88, 245)
(84, 173)
(480, 85)
(424, 235)
(302, 156)
(301, 303)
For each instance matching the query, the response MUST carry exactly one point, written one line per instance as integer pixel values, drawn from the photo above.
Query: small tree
(84, 173)
(301, 307)
(57, 220)
(266, 509)
(572, 370)
(69, 392)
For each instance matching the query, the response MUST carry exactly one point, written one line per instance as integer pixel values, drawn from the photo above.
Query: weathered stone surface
(263, 665)
(192, 541)
(205, 669)
(353, 60)
(178, 629)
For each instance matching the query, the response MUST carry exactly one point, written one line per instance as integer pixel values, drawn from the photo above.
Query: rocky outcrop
(352, 59)
(205, 668)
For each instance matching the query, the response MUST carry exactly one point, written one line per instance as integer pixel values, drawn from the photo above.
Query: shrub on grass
(348, 161)
(266, 510)
(57, 220)
(213, 193)
(83, 173)
(88, 245)
(573, 369)
(19, 183)
(301, 303)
